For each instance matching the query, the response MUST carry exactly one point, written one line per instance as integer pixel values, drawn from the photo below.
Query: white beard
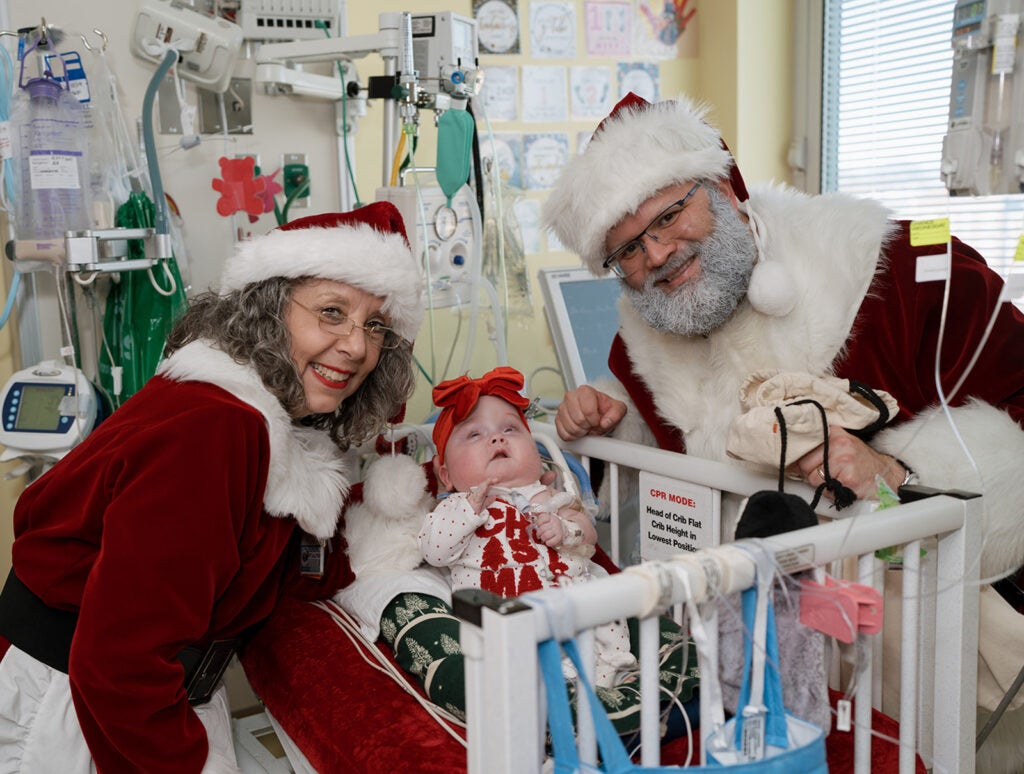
(727, 256)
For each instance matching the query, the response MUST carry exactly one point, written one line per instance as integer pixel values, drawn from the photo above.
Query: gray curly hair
(248, 325)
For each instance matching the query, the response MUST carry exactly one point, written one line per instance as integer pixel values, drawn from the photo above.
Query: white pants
(39, 730)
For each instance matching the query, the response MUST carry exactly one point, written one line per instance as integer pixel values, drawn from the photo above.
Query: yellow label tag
(1019, 254)
(929, 232)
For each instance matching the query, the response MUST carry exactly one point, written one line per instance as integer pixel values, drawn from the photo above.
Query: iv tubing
(160, 204)
(11, 296)
(498, 204)
(397, 159)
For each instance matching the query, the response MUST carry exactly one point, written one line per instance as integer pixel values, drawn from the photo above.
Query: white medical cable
(500, 215)
(170, 277)
(499, 321)
(351, 630)
(83, 280)
(425, 255)
(455, 336)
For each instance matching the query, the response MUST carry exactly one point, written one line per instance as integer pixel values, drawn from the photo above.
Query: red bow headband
(458, 397)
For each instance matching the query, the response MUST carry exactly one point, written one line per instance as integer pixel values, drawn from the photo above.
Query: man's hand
(851, 461)
(585, 411)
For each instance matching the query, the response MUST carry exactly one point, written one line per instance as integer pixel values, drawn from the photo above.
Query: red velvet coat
(155, 531)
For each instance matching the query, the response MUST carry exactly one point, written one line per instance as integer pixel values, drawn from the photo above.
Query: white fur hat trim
(636, 152)
(376, 261)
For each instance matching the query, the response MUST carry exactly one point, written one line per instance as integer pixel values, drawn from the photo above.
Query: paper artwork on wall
(528, 215)
(590, 90)
(609, 28)
(505, 149)
(497, 26)
(641, 78)
(544, 157)
(660, 26)
(552, 29)
(544, 93)
(583, 140)
(500, 94)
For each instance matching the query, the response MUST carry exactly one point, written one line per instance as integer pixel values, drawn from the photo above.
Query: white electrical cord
(380, 662)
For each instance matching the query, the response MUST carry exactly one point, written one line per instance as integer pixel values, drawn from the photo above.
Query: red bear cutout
(239, 189)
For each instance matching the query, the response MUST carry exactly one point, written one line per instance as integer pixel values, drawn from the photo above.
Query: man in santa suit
(719, 283)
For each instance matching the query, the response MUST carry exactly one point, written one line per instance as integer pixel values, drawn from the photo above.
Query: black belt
(45, 633)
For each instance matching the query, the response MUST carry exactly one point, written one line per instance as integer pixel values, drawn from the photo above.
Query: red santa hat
(458, 397)
(638, 150)
(366, 248)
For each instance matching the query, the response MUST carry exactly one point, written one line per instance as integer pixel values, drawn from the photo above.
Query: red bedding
(347, 717)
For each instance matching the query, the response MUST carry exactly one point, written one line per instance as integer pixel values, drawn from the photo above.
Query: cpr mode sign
(676, 516)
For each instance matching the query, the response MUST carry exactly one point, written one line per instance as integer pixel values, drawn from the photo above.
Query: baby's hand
(477, 497)
(552, 500)
(549, 529)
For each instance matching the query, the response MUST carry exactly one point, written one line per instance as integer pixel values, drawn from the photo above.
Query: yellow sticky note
(1019, 254)
(929, 232)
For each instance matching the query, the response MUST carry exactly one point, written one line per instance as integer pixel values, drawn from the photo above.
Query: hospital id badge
(311, 557)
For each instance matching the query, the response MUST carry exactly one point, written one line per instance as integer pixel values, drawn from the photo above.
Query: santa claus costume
(833, 292)
(177, 524)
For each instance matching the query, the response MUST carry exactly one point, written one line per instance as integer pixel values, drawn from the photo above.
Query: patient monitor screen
(40, 407)
(594, 319)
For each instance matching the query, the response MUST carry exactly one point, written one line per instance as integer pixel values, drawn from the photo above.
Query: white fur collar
(307, 479)
(831, 245)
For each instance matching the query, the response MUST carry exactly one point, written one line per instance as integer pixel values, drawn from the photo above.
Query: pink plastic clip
(840, 609)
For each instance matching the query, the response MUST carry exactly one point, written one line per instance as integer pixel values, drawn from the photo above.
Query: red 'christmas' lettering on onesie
(496, 575)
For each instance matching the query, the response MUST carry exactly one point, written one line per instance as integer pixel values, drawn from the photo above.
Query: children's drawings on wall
(544, 93)
(506, 150)
(552, 29)
(528, 215)
(641, 78)
(544, 156)
(609, 28)
(500, 94)
(659, 26)
(497, 26)
(591, 92)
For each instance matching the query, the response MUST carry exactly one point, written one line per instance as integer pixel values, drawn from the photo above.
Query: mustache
(678, 259)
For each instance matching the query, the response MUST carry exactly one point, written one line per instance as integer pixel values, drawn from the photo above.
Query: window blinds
(887, 69)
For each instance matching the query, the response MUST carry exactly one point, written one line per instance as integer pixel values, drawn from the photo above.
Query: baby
(501, 529)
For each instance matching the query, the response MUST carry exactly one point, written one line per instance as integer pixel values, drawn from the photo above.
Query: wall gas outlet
(209, 48)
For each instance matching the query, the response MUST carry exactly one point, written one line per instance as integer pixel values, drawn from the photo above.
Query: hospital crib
(504, 700)
(938, 669)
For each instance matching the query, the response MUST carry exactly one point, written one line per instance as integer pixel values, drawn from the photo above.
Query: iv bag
(50, 147)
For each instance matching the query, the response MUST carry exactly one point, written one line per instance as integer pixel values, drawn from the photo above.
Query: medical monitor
(583, 317)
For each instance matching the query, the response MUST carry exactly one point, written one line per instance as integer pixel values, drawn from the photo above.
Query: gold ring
(820, 470)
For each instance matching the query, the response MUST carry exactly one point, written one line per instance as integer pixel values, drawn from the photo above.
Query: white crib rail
(504, 698)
